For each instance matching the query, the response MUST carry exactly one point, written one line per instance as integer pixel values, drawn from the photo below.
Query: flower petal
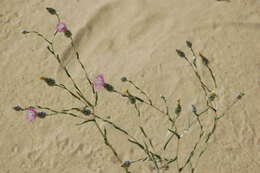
(31, 114)
(61, 27)
(99, 81)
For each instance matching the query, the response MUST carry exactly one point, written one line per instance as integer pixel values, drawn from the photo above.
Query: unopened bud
(25, 32)
(205, 61)
(240, 96)
(123, 79)
(41, 114)
(178, 109)
(109, 87)
(194, 109)
(17, 108)
(126, 164)
(132, 99)
(180, 53)
(52, 11)
(189, 44)
(67, 33)
(49, 81)
(86, 111)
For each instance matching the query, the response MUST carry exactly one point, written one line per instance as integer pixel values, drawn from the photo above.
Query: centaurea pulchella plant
(87, 110)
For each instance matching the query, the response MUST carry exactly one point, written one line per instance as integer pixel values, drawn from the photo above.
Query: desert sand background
(137, 39)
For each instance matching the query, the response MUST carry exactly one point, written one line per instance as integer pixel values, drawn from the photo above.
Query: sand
(137, 39)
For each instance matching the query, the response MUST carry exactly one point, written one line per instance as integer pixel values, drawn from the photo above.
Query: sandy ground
(137, 39)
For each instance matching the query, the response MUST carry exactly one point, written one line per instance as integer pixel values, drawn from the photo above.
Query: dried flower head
(31, 113)
(126, 91)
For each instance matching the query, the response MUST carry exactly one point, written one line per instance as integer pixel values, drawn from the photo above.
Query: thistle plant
(158, 156)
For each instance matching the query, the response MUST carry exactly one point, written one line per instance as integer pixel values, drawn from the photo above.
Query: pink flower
(99, 81)
(61, 27)
(31, 114)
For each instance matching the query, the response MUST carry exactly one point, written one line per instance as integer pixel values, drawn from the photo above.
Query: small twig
(141, 91)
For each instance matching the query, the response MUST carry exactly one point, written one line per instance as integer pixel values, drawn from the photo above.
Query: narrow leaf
(136, 143)
(167, 142)
(84, 122)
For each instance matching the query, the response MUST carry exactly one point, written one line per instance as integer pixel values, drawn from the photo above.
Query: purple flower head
(31, 114)
(99, 81)
(61, 27)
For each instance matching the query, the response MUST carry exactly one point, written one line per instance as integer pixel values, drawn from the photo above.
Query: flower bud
(18, 108)
(25, 32)
(178, 109)
(163, 97)
(52, 11)
(240, 96)
(67, 33)
(132, 99)
(49, 81)
(126, 164)
(41, 114)
(109, 87)
(180, 53)
(86, 112)
(194, 109)
(123, 79)
(189, 44)
(204, 60)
